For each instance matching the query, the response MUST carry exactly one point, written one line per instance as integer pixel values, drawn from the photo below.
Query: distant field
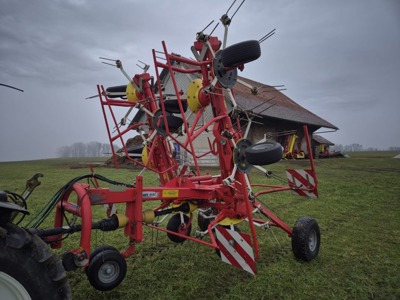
(358, 211)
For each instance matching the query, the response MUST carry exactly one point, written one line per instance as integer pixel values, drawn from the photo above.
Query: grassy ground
(358, 211)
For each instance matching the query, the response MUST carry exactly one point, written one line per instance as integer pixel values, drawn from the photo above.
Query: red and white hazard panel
(235, 248)
(303, 182)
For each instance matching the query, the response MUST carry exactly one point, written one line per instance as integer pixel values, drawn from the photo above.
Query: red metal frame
(230, 200)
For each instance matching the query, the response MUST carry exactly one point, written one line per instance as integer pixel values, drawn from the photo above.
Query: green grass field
(358, 211)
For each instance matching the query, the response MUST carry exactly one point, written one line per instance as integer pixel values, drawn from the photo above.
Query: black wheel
(306, 239)
(116, 91)
(175, 225)
(174, 123)
(172, 106)
(28, 268)
(107, 269)
(96, 251)
(264, 153)
(241, 53)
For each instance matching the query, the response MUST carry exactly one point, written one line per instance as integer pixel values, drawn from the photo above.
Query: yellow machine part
(122, 220)
(301, 155)
(292, 140)
(192, 95)
(148, 216)
(145, 156)
(131, 93)
(290, 146)
(230, 221)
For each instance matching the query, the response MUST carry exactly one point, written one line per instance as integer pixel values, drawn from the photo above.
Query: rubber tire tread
(259, 156)
(174, 123)
(117, 89)
(172, 106)
(29, 260)
(240, 53)
(97, 251)
(300, 238)
(97, 261)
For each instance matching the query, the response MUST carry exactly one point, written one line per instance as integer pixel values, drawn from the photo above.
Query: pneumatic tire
(264, 153)
(306, 239)
(28, 267)
(240, 53)
(107, 269)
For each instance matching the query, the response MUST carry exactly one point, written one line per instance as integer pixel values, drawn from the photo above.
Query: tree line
(91, 149)
(358, 148)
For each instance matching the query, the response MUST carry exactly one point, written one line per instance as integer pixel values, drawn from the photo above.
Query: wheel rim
(312, 240)
(12, 289)
(109, 272)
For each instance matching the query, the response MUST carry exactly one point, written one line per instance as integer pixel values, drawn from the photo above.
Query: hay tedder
(171, 118)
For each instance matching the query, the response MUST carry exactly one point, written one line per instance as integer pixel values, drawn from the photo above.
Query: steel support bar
(275, 220)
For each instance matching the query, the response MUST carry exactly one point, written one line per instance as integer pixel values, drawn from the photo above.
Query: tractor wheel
(107, 269)
(264, 153)
(306, 239)
(28, 268)
(175, 225)
(241, 53)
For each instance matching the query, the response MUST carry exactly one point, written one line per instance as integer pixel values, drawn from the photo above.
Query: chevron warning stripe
(235, 248)
(303, 182)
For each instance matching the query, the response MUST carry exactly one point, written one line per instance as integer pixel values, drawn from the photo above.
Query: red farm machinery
(220, 201)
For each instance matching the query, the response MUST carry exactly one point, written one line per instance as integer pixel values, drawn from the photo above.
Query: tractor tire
(306, 239)
(240, 53)
(107, 268)
(28, 268)
(264, 153)
(174, 224)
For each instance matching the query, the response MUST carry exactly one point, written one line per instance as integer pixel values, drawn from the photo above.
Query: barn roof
(270, 102)
(320, 140)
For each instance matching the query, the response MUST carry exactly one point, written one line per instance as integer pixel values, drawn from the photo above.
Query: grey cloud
(334, 57)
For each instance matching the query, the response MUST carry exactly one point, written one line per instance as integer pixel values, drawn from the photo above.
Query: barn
(274, 115)
(279, 117)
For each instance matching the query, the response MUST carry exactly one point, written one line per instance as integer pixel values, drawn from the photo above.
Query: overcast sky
(339, 59)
